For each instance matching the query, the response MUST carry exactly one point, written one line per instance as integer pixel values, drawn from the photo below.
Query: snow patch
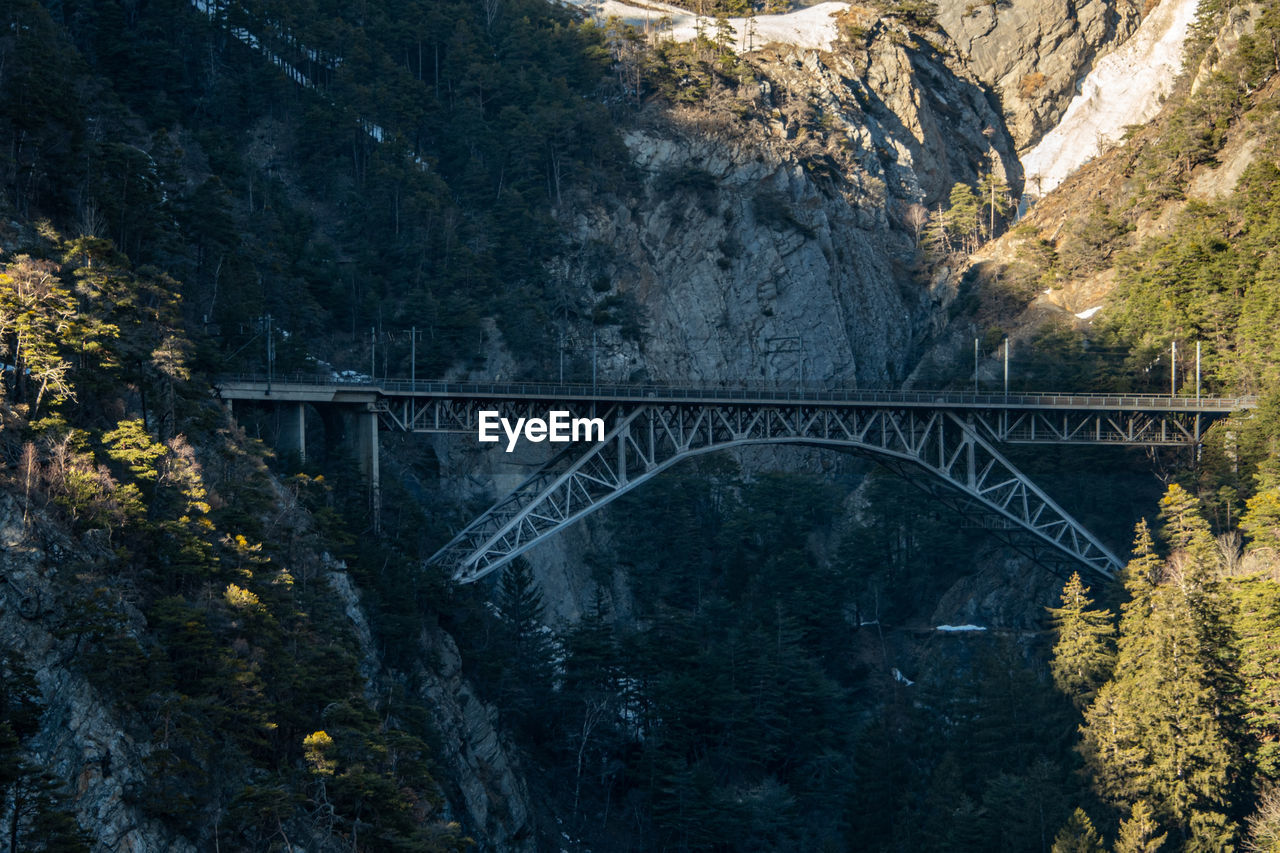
(1088, 313)
(951, 629)
(1125, 87)
(812, 27)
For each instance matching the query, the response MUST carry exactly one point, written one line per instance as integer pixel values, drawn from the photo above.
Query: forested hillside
(1172, 234)
(175, 632)
(414, 173)
(209, 645)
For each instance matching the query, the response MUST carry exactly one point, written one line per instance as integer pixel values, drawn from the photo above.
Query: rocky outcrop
(1125, 88)
(482, 775)
(1033, 53)
(1005, 592)
(771, 239)
(482, 786)
(776, 247)
(1238, 21)
(82, 741)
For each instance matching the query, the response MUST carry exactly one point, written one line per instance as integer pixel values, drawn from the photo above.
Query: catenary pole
(1197, 371)
(1006, 366)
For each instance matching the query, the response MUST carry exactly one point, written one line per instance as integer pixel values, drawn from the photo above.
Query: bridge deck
(325, 390)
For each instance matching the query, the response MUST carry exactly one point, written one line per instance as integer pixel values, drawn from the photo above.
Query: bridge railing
(751, 392)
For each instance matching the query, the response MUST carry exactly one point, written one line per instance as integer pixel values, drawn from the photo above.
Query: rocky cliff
(770, 239)
(1033, 53)
(82, 737)
(54, 584)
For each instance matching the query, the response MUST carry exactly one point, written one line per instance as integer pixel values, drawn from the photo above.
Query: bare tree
(917, 217)
(1231, 547)
(1264, 824)
(492, 8)
(594, 712)
(30, 468)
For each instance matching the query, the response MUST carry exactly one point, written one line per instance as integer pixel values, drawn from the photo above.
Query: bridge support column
(367, 453)
(292, 430)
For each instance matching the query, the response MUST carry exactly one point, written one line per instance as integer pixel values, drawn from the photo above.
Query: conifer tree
(963, 215)
(1261, 519)
(1194, 566)
(1257, 625)
(1138, 831)
(1078, 835)
(1143, 570)
(1184, 527)
(1085, 652)
(525, 648)
(995, 200)
(938, 240)
(520, 607)
(1158, 730)
(724, 34)
(1210, 832)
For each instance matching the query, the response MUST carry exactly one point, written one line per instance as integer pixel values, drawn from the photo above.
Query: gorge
(217, 638)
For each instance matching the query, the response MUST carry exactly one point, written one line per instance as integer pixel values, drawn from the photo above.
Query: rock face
(482, 775)
(777, 247)
(86, 744)
(1239, 21)
(81, 740)
(1034, 52)
(1126, 87)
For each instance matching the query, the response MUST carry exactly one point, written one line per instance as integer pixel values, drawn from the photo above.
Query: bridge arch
(975, 478)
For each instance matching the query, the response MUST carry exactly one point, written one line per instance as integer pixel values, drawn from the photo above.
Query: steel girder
(644, 439)
(1129, 427)
(1133, 427)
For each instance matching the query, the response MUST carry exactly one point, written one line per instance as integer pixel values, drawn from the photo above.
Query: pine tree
(1185, 528)
(1261, 519)
(1084, 653)
(939, 239)
(1257, 624)
(1210, 832)
(995, 200)
(1157, 731)
(1078, 835)
(521, 609)
(524, 646)
(1138, 831)
(724, 34)
(1143, 571)
(963, 214)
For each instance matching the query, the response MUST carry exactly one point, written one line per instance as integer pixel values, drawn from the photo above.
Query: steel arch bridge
(949, 437)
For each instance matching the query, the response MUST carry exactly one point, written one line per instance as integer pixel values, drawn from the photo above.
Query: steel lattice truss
(645, 439)
(947, 434)
(1005, 424)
